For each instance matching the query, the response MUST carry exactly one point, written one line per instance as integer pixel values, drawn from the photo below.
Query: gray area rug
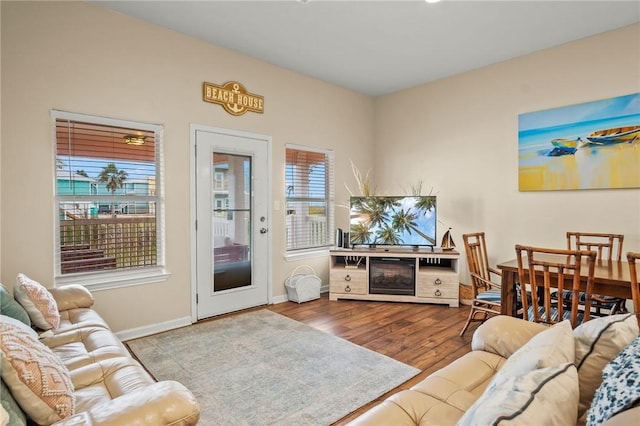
(261, 368)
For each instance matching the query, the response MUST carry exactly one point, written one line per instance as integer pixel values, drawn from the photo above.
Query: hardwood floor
(423, 336)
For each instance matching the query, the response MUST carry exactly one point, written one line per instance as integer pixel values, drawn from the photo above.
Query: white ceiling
(379, 47)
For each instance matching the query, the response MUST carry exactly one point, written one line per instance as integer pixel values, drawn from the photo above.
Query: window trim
(114, 278)
(311, 252)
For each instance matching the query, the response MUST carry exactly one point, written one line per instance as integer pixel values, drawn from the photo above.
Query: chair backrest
(476, 249)
(635, 285)
(554, 277)
(607, 246)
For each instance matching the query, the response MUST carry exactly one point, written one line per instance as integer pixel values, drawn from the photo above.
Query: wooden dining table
(611, 278)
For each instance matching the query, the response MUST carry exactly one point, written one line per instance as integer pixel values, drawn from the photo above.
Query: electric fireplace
(392, 275)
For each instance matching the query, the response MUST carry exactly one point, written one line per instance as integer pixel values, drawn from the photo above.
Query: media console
(395, 275)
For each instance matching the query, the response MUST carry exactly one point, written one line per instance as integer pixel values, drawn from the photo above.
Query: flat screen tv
(393, 220)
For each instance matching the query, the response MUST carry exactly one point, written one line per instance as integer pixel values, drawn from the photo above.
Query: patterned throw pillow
(38, 380)
(597, 342)
(38, 303)
(546, 396)
(548, 348)
(620, 388)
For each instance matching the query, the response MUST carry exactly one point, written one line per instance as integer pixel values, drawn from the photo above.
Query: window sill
(306, 254)
(111, 280)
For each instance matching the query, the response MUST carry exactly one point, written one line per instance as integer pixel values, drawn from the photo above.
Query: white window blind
(309, 186)
(107, 195)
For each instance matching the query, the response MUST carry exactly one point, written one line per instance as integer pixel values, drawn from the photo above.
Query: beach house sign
(233, 97)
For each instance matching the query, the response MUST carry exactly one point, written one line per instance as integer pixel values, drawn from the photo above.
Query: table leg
(508, 293)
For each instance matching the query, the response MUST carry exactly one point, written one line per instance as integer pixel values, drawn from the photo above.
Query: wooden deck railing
(109, 243)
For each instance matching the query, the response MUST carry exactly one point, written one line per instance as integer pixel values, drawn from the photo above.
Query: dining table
(611, 278)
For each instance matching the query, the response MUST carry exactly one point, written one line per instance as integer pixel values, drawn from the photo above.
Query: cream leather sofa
(110, 387)
(448, 396)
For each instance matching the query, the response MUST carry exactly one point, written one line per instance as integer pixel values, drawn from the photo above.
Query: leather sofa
(109, 386)
(467, 391)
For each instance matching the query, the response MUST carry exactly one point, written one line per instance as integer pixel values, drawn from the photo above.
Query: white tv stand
(434, 275)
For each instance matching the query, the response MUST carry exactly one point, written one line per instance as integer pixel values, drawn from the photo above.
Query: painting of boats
(592, 145)
(565, 143)
(627, 134)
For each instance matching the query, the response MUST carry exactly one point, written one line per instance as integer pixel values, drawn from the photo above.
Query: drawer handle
(347, 278)
(437, 281)
(438, 293)
(347, 289)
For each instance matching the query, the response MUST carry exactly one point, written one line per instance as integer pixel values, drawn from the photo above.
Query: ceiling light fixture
(432, 1)
(134, 140)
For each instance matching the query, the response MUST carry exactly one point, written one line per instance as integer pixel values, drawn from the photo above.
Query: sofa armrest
(625, 418)
(503, 335)
(72, 296)
(162, 403)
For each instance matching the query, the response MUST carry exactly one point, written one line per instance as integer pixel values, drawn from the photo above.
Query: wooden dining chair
(486, 293)
(635, 285)
(607, 247)
(555, 271)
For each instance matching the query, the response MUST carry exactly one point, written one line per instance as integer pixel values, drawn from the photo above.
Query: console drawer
(440, 284)
(348, 281)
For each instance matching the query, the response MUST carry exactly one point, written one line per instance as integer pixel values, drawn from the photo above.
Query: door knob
(263, 230)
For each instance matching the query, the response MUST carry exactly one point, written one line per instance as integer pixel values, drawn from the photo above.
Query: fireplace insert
(392, 275)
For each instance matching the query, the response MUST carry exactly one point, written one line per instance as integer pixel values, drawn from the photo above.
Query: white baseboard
(148, 330)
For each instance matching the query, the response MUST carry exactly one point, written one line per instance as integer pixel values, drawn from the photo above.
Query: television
(392, 220)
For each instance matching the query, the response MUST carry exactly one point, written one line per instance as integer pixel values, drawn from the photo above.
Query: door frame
(193, 214)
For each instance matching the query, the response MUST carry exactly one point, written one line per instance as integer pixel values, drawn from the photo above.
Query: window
(309, 186)
(108, 200)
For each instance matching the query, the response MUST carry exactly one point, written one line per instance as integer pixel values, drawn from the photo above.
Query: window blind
(309, 186)
(107, 195)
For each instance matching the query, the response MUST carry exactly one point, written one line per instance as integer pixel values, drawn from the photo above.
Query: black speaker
(339, 237)
(345, 240)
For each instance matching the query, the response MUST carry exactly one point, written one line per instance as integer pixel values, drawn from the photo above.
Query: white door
(232, 237)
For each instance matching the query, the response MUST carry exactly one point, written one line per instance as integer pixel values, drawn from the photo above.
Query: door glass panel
(231, 219)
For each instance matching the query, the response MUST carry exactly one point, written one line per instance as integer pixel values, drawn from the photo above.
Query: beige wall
(460, 135)
(78, 57)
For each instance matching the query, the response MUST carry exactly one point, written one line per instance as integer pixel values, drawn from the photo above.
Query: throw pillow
(620, 388)
(11, 308)
(549, 348)
(37, 379)
(546, 396)
(4, 416)
(597, 342)
(38, 302)
(15, 413)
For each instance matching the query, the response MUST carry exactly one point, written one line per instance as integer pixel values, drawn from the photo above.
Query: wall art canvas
(593, 145)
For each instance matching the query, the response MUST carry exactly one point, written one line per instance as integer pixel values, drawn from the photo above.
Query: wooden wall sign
(234, 98)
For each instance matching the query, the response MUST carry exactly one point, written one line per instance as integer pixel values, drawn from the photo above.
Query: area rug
(261, 368)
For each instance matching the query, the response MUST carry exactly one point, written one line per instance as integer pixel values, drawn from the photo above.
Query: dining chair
(486, 293)
(549, 271)
(607, 247)
(635, 285)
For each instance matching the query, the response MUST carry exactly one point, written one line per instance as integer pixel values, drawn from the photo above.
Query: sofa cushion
(597, 342)
(11, 308)
(620, 388)
(550, 348)
(542, 396)
(38, 302)
(441, 398)
(503, 335)
(38, 380)
(72, 296)
(83, 346)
